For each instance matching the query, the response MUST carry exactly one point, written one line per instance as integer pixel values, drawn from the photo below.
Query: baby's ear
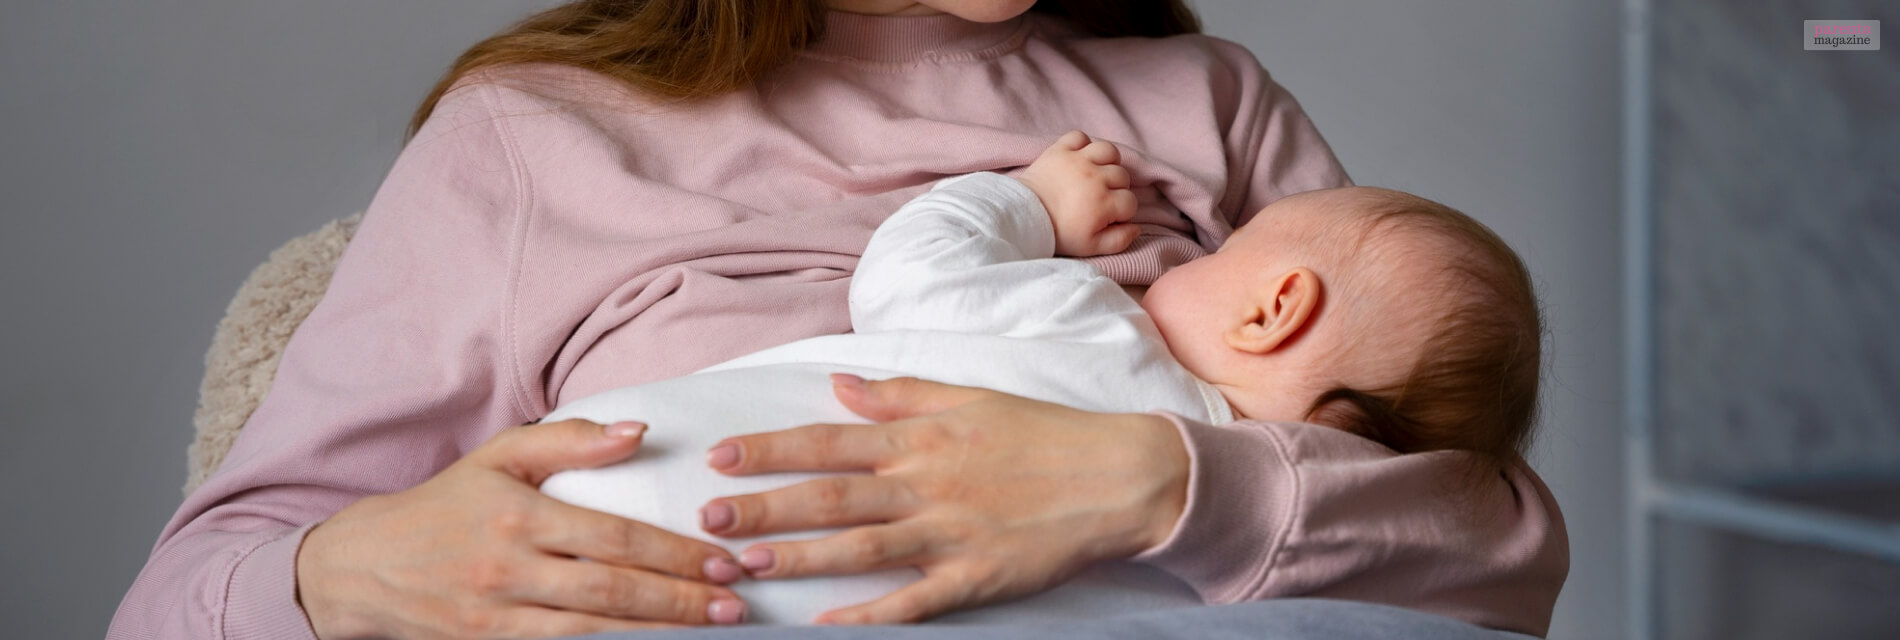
(1276, 313)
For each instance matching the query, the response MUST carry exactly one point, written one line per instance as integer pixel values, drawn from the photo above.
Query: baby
(1368, 310)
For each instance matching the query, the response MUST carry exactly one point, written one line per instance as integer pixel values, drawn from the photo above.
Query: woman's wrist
(1167, 468)
(326, 621)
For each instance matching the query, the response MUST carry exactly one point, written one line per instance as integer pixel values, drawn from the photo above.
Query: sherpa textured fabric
(251, 337)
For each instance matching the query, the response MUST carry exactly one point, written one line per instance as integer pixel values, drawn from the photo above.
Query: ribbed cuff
(1241, 494)
(1151, 255)
(262, 600)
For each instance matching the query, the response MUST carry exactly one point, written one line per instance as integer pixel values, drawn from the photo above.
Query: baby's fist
(1085, 189)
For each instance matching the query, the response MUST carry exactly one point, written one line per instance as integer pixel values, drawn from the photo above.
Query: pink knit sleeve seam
(1251, 585)
(523, 185)
(229, 572)
(1295, 517)
(1255, 138)
(1194, 483)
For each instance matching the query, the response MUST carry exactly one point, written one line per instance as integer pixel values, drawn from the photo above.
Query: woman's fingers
(563, 528)
(936, 594)
(899, 398)
(538, 622)
(532, 452)
(476, 551)
(823, 503)
(813, 447)
(601, 589)
(1009, 496)
(859, 550)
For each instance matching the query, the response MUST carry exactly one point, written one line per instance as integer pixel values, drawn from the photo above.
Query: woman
(616, 192)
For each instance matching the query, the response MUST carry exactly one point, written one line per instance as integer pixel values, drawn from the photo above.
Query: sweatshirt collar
(937, 38)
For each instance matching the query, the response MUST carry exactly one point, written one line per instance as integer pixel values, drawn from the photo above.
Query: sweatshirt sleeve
(1274, 149)
(975, 255)
(1269, 149)
(400, 369)
(1292, 509)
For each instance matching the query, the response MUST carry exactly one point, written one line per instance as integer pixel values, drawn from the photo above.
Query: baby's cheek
(1159, 301)
(1182, 311)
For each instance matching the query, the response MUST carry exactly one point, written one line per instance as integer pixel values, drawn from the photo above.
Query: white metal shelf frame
(1648, 497)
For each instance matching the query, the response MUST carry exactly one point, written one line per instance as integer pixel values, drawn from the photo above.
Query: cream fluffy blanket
(251, 338)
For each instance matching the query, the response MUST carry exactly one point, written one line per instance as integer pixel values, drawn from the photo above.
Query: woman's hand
(993, 496)
(477, 551)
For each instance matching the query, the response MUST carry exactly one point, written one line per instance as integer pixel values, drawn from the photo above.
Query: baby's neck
(1267, 403)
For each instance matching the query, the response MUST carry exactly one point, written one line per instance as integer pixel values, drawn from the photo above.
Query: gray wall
(156, 151)
(1775, 307)
(1797, 380)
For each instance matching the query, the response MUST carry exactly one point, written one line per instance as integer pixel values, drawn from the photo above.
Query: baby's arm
(972, 255)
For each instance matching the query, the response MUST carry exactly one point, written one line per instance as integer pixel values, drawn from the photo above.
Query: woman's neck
(883, 7)
(935, 38)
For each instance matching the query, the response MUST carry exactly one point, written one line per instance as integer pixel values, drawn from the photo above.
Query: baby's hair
(1474, 386)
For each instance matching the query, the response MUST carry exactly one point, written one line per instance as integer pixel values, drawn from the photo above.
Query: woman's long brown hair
(697, 48)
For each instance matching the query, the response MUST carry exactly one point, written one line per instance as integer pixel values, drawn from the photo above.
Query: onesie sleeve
(975, 255)
(1283, 509)
(400, 369)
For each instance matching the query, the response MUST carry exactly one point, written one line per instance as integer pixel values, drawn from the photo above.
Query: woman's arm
(400, 371)
(1241, 511)
(1292, 509)
(393, 376)
(1273, 148)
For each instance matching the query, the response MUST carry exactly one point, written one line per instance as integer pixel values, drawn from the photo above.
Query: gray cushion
(1285, 619)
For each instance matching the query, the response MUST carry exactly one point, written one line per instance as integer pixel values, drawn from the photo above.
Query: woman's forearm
(1292, 509)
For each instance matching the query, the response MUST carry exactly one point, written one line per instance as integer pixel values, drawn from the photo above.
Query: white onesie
(959, 286)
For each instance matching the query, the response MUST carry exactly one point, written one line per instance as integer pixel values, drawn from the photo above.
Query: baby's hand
(1085, 189)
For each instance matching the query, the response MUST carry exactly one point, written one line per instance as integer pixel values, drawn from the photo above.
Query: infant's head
(1370, 310)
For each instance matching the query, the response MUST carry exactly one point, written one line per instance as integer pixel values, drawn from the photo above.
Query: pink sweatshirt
(548, 235)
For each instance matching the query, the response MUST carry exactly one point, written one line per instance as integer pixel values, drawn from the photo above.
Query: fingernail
(721, 570)
(847, 380)
(715, 517)
(723, 456)
(726, 611)
(626, 430)
(756, 560)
